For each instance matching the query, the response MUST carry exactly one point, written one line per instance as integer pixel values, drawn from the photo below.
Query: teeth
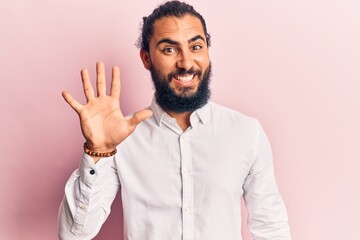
(187, 78)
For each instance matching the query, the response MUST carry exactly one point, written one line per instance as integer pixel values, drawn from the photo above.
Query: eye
(169, 51)
(197, 47)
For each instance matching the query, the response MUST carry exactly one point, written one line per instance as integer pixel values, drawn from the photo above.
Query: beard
(186, 100)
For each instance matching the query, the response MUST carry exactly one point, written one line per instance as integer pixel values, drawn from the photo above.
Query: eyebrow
(196, 38)
(169, 41)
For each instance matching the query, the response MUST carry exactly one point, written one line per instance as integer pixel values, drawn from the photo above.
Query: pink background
(294, 65)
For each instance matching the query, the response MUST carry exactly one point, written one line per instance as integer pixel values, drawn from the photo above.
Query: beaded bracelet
(98, 154)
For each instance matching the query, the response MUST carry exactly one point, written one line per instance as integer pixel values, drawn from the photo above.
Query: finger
(138, 117)
(72, 102)
(88, 89)
(115, 83)
(100, 80)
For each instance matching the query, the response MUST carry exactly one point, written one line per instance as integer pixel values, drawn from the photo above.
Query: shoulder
(227, 116)
(234, 126)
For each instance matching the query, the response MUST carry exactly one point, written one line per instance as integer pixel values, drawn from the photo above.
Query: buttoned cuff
(91, 177)
(89, 171)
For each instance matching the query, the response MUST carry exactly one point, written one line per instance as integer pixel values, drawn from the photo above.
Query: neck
(182, 119)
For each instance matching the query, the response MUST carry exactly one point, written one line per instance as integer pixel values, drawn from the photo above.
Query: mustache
(182, 71)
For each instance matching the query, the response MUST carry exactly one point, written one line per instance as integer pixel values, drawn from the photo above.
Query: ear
(144, 55)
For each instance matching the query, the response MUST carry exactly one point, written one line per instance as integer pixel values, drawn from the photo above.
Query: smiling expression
(178, 51)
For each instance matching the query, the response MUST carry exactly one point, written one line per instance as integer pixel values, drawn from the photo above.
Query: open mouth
(184, 80)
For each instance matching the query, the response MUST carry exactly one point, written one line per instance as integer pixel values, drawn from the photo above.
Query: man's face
(179, 63)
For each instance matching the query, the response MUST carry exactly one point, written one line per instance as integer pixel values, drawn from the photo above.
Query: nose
(185, 60)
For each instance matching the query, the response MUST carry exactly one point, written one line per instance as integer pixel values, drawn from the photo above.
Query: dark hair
(170, 8)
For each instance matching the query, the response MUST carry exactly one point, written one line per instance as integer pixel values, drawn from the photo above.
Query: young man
(183, 164)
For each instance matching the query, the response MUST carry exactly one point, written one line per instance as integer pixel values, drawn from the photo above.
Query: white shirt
(181, 185)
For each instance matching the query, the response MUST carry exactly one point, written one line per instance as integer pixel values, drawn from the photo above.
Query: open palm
(102, 122)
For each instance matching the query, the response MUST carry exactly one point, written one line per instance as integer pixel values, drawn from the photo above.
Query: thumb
(138, 117)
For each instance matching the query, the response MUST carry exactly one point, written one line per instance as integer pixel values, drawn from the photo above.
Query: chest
(164, 162)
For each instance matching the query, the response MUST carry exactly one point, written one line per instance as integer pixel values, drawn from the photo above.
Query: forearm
(267, 216)
(88, 196)
(269, 222)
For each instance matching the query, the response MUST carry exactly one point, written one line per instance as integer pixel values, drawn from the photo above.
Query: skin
(176, 43)
(102, 122)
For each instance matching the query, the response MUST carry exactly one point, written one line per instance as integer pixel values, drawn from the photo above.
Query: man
(183, 164)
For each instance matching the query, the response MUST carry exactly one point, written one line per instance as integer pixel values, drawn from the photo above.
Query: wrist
(98, 147)
(99, 152)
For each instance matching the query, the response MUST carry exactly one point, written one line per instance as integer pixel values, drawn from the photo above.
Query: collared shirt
(181, 185)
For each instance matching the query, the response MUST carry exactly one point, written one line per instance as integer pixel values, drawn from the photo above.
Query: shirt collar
(203, 113)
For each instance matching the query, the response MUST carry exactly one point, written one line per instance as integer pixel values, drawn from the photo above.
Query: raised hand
(102, 122)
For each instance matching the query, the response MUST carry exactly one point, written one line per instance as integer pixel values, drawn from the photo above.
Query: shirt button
(188, 171)
(92, 171)
(82, 206)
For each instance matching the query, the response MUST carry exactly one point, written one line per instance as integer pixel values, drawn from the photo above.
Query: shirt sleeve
(89, 193)
(267, 216)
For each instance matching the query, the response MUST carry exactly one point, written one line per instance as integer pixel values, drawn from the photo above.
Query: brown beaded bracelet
(98, 154)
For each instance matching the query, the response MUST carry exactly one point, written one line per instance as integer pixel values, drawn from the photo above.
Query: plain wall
(294, 65)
